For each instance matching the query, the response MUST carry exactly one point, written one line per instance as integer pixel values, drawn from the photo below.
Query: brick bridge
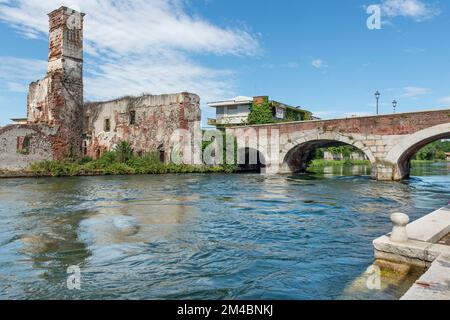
(388, 141)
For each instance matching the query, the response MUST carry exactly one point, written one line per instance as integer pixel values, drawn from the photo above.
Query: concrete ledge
(430, 228)
(434, 284)
(412, 252)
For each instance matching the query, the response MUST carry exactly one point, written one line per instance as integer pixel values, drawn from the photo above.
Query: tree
(433, 151)
(124, 151)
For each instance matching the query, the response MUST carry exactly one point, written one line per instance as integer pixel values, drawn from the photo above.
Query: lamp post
(394, 104)
(377, 96)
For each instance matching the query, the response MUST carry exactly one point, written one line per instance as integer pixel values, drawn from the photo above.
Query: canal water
(203, 236)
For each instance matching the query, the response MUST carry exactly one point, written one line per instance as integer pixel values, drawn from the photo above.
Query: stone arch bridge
(388, 141)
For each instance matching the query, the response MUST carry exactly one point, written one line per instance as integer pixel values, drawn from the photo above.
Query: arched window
(24, 145)
(162, 154)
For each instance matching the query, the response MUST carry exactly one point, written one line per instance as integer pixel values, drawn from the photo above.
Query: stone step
(432, 227)
(434, 284)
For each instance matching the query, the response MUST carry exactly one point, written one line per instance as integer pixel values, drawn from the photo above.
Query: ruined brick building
(60, 125)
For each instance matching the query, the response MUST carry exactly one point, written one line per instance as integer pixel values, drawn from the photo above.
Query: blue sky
(316, 54)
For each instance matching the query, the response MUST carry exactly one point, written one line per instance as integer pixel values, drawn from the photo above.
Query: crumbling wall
(13, 157)
(37, 102)
(57, 100)
(155, 119)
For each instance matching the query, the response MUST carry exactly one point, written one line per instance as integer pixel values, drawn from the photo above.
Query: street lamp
(394, 104)
(377, 96)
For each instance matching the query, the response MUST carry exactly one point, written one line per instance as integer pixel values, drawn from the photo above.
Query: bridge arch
(296, 154)
(401, 154)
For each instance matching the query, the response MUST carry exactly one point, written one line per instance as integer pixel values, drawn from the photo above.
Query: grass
(428, 161)
(109, 164)
(320, 163)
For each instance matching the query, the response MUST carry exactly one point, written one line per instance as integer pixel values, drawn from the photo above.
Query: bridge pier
(275, 168)
(389, 172)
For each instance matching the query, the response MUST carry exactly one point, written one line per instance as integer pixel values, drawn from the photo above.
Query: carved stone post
(400, 221)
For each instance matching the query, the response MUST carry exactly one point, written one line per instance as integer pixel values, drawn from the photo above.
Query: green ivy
(264, 113)
(297, 115)
(260, 113)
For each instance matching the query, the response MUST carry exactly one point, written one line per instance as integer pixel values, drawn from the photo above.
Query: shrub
(56, 168)
(107, 158)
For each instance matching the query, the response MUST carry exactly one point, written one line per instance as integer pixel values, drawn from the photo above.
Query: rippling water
(200, 236)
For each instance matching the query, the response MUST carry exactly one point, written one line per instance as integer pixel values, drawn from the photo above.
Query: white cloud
(141, 45)
(17, 73)
(414, 92)
(445, 101)
(318, 63)
(415, 9)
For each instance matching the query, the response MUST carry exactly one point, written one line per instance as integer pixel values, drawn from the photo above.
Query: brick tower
(57, 100)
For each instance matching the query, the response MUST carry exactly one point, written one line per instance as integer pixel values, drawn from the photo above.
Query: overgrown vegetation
(122, 161)
(263, 113)
(297, 115)
(260, 113)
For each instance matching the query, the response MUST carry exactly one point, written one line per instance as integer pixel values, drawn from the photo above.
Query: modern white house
(236, 111)
(233, 111)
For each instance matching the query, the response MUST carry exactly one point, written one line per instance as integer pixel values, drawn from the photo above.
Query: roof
(234, 101)
(19, 119)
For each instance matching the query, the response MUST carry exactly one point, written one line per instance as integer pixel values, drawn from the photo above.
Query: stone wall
(147, 122)
(13, 157)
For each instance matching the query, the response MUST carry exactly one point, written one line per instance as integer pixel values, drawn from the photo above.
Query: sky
(319, 55)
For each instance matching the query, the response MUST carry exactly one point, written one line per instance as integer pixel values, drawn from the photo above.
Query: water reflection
(344, 170)
(201, 236)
